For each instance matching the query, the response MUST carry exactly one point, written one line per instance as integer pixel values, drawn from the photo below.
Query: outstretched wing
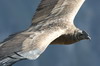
(36, 43)
(49, 8)
(49, 22)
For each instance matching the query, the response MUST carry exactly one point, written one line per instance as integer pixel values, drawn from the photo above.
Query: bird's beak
(88, 38)
(86, 35)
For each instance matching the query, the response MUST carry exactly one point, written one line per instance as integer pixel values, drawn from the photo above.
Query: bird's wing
(35, 44)
(49, 22)
(49, 8)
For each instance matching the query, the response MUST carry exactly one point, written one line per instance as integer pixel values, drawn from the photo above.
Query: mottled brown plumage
(62, 12)
(51, 24)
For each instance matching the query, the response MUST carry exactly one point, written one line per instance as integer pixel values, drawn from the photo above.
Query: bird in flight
(53, 23)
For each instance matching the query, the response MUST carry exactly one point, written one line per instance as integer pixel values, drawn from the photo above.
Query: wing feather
(49, 8)
(44, 10)
(49, 22)
(35, 45)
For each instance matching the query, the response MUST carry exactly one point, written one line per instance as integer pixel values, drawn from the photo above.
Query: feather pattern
(52, 20)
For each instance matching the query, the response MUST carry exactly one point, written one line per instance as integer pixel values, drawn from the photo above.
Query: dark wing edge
(42, 39)
(44, 9)
(50, 8)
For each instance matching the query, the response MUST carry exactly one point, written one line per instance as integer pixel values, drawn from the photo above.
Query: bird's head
(81, 35)
(72, 38)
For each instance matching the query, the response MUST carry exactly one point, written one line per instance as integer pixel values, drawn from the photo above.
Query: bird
(52, 24)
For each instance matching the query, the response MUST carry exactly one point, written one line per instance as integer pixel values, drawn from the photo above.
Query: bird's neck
(68, 37)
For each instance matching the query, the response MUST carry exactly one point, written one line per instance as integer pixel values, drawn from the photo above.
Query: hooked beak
(86, 35)
(88, 38)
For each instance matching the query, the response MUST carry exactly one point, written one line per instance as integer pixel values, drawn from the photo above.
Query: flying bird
(53, 23)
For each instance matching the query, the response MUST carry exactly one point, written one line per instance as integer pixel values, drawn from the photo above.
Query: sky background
(16, 16)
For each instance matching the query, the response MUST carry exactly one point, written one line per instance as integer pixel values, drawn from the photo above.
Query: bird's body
(51, 24)
(54, 26)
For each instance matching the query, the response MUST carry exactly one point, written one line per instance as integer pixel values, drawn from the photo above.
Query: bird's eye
(80, 34)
